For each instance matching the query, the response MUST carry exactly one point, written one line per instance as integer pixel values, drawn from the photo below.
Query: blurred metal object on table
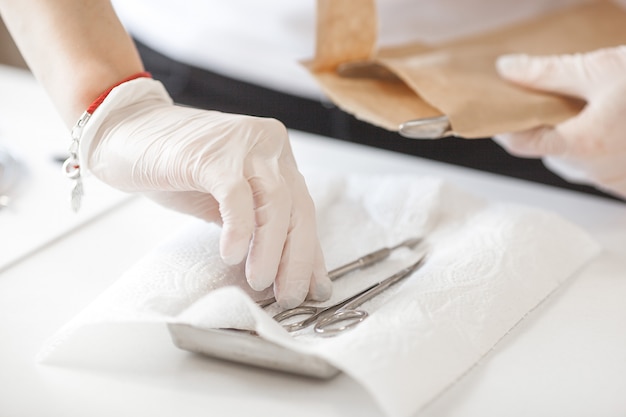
(11, 172)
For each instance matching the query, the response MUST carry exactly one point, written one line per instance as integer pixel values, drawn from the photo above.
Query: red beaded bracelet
(101, 97)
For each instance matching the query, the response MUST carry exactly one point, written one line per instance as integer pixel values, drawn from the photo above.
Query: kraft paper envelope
(457, 79)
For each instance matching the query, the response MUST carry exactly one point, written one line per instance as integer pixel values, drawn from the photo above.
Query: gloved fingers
(567, 169)
(606, 174)
(591, 134)
(196, 203)
(616, 187)
(595, 150)
(605, 169)
(273, 206)
(300, 260)
(563, 74)
(577, 75)
(297, 264)
(295, 272)
(321, 287)
(533, 143)
(237, 212)
(582, 136)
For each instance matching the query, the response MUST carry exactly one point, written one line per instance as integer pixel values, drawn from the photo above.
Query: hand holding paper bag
(458, 78)
(590, 147)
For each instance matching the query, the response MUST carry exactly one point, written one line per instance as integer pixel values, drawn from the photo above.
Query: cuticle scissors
(326, 319)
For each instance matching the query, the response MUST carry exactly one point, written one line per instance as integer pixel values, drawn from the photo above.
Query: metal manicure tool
(426, 128)
(10, 174)
(423, 128)
(344, 315)
(362, 262)
(243, 346)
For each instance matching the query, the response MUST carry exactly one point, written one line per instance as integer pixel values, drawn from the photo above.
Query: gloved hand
(238, 171)
(590, 147)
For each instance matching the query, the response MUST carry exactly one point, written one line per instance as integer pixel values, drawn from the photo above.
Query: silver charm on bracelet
(71, 166)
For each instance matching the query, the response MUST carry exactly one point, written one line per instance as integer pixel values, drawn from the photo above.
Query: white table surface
(568, 358)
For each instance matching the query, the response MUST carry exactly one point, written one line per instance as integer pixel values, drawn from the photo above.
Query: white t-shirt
(262, 41)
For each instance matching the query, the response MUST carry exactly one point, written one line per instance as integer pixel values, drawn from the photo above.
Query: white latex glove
(590, 147)
(238, 171)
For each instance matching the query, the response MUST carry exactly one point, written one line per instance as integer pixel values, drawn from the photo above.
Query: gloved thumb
(576, 75)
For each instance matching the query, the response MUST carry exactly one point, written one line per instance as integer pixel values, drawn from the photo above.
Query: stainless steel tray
(246, 347)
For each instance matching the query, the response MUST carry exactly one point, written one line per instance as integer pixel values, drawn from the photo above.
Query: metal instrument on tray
(362, 262)
(345, 314)
(246, 347)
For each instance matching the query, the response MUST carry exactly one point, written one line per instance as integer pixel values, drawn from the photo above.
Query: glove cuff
(86, 131)
(119, 97)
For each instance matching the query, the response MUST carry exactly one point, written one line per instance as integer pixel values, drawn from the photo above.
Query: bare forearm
(75, 48)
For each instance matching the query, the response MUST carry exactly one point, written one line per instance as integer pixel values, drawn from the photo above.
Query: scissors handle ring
(328, 326)
(308, 311)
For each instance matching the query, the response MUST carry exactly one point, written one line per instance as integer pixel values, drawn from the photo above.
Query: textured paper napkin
(489, 265)
(458, 79)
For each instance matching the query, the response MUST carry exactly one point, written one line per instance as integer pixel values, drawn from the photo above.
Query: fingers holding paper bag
(590, 147)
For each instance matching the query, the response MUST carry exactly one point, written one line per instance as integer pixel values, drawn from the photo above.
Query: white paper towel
(489, 265)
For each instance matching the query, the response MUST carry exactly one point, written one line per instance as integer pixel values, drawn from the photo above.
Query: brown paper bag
(456, 79)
